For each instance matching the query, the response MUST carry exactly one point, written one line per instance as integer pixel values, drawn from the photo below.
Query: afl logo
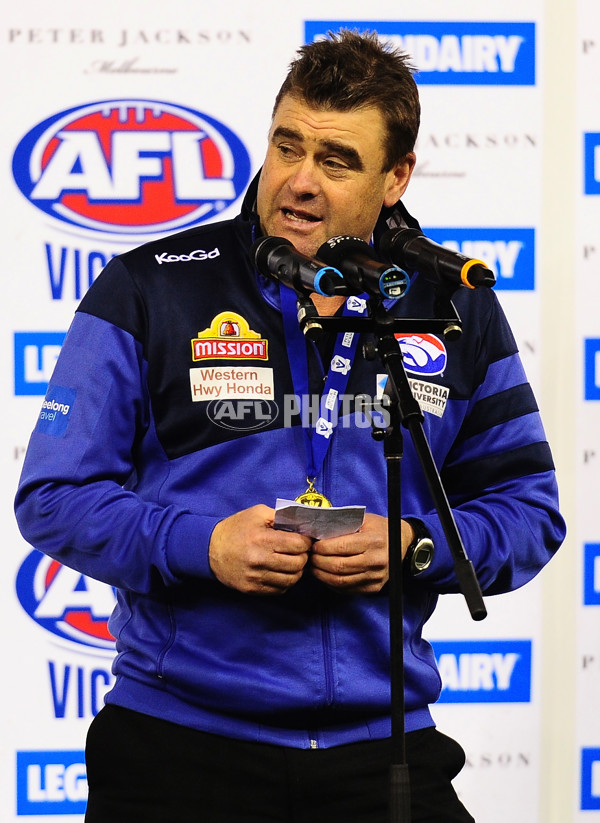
(422, 354)
(242, 415)
(65, 602)
(131, 166)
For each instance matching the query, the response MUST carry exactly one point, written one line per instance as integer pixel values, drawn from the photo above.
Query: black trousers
(144, 770)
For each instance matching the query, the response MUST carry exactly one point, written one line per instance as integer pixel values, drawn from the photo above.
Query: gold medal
(312, 497)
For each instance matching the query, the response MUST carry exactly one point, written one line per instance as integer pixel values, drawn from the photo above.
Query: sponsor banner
(592, 368)
(66, 603)
(495, 53)
(590, 779)
(131, 166)
(51, 782)
(591, 574)
(591, 157)
(35, 355)
(508, 252)
(585, 323)
(484, 671)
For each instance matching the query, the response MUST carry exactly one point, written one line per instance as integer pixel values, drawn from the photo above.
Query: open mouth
(300, 217)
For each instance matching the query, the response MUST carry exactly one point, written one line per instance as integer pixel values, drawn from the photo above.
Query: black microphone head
(480, 275)
(361, 268)
(261, 250)
(412, 250)
(337, 249)
(393, 243)
(278, 258)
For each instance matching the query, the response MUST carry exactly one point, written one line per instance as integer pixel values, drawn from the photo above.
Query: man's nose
(305, 179)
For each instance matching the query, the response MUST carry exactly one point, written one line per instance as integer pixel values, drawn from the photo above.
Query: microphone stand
(405, 412)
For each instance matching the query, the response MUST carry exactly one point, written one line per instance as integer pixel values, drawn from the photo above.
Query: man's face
(322, 174)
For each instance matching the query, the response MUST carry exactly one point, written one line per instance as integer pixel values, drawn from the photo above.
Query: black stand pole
(399, 797)
(404, 411)
(411, 417)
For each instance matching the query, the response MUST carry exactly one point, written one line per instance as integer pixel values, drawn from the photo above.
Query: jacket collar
(396, 216)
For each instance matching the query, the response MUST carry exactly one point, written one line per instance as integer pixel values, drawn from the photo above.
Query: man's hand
(357, 563)
(246, 553)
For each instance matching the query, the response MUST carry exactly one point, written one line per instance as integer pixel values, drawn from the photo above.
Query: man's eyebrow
(349, 154)
(284, 131)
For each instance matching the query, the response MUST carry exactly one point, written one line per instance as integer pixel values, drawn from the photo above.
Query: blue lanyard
(318, 437)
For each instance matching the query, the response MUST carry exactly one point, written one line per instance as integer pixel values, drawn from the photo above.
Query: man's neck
(327, 306)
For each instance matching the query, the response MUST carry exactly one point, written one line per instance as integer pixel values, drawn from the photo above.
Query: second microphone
(361, 269)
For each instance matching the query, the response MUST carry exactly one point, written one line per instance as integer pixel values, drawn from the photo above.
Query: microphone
(361, 269)
(412, 250)
(277, 257)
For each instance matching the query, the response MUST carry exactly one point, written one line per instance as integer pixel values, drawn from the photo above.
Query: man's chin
(308, 245)
(305, 241)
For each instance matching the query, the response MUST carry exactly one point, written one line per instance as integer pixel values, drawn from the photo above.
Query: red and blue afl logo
(131, 166)
(423, 354)
(66, 603)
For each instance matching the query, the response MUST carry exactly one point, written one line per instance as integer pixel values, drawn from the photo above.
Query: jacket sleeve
(498, 474)
(74, 500)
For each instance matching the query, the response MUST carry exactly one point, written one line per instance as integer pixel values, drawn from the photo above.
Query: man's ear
(399, 178)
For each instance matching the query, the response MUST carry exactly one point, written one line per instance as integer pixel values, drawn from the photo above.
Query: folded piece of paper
(315, 521)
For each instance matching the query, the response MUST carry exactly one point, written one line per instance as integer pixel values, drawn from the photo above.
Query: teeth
(292, 215)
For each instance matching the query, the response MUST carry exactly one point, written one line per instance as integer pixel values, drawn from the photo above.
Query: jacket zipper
(327, 670)
(327, 656)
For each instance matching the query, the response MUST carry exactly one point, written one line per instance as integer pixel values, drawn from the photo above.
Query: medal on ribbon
(318, 437)
(311, 497)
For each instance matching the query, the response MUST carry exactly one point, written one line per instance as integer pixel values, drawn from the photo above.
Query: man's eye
(286, 151)
(335, 165)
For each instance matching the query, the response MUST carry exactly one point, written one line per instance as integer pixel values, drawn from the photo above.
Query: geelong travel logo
(495, 53)
(131, 166)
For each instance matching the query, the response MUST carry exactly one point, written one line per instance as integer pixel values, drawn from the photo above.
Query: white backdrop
(509, 89)
(587, 529)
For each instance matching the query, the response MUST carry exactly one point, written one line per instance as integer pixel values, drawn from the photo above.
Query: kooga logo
(495, 53)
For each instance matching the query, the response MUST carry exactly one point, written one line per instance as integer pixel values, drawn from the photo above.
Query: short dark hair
(351, 70)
